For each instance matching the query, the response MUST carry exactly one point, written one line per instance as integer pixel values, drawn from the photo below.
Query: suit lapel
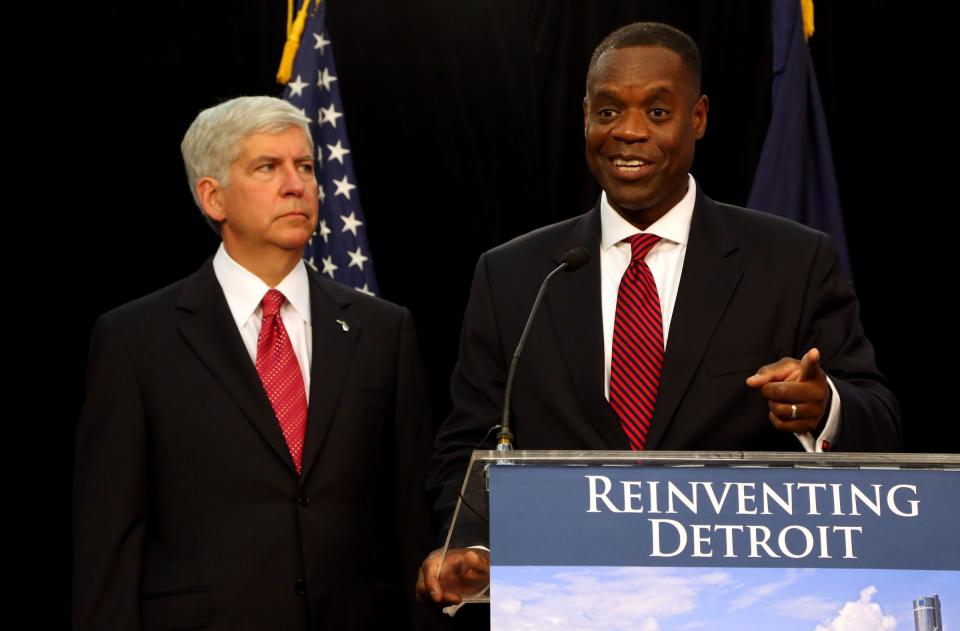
(710, 276)
(211, 332)
(335, 336)
(574, 306)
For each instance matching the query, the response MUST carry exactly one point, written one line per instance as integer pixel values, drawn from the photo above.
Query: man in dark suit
(695, 325)
(251, 450)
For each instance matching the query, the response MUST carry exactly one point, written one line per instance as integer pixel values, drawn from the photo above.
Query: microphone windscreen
(576, 258)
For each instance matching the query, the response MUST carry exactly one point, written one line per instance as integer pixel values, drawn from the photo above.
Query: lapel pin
(343, 325)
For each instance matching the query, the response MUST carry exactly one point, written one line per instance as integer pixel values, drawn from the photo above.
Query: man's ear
(210, 194)
(586, 116)
(700, 116)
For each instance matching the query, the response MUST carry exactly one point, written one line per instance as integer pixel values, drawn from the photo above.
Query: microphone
(571, 261)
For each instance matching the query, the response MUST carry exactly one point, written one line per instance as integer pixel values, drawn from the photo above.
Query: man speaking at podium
(694, 325)
(251, 449)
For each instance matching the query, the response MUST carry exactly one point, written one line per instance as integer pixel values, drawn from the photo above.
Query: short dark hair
(652, 34)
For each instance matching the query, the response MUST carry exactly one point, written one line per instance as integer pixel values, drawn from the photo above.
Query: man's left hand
(796, 390)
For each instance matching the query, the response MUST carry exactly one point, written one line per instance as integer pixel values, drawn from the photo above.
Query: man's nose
(632, 126)
(293, 183)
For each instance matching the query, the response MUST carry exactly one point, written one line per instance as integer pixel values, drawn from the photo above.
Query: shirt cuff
(826, 438)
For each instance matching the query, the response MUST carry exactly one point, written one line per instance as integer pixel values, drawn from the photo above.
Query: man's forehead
(273, 141)
(649, 90)
(619, 65)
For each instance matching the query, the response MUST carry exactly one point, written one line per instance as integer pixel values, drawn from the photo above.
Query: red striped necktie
(280, 373)
(637, 355)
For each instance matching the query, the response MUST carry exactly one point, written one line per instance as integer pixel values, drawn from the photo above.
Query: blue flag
(339, 246)
(795, 177)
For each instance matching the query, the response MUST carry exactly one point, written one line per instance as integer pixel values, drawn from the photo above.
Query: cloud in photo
(861, 615)
(764, 591)
(602, 599)
(807, 608)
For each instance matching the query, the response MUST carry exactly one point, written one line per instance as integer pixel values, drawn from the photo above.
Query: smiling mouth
(629, 165)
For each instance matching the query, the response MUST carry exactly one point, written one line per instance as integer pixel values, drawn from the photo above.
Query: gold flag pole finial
(806, 9)
(292, 45)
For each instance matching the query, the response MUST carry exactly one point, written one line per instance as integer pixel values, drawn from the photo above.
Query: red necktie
(637, 355)
(280, 373)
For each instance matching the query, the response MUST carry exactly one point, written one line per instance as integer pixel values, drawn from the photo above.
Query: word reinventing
(782, 501)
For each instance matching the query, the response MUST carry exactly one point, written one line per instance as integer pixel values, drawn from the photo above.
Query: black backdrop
(465, 125)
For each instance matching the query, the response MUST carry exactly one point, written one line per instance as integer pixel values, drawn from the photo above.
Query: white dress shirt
(665, 261)
(244, 291)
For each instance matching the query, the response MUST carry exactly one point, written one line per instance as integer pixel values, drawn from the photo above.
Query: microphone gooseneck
(571, 261)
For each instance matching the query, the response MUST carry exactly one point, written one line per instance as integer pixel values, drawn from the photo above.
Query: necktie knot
(641, 244)
(271, 303)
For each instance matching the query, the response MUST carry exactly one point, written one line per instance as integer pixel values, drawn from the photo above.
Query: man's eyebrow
(606, 93)
(661, 91)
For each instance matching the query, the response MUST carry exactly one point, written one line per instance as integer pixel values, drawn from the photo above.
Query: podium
(718, 540)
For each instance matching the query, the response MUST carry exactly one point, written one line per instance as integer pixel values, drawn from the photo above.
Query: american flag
(339, 246)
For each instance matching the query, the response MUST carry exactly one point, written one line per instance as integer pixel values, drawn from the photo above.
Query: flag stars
(321, 42)
(324, 231)
(328, 266)
(332, 246)
(325, 79)
(337, 152)
(351, 223)
(357, 258)
(343, 187)
(329, 115)
(296, 86)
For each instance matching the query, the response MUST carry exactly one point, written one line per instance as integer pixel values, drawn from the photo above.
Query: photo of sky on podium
(742, 599)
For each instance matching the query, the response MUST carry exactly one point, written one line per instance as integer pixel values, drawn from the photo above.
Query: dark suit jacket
(754, 288)
(188, 511)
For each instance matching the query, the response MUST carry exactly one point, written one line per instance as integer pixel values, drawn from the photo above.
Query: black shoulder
(760, 225)
(363, 302)
(545, 239)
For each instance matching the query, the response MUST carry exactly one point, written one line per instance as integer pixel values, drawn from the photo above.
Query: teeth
(620, 163)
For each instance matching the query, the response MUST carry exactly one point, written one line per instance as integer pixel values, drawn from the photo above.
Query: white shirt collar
(244, 290)
(673, 226)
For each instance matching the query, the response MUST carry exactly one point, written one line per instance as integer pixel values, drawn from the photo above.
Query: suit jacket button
(300, 586)
(304, 500)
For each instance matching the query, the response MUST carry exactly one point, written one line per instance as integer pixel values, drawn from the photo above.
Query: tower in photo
(926, 613)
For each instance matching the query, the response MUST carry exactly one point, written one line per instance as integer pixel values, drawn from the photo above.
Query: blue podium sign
(722, 516)
(723, 547)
